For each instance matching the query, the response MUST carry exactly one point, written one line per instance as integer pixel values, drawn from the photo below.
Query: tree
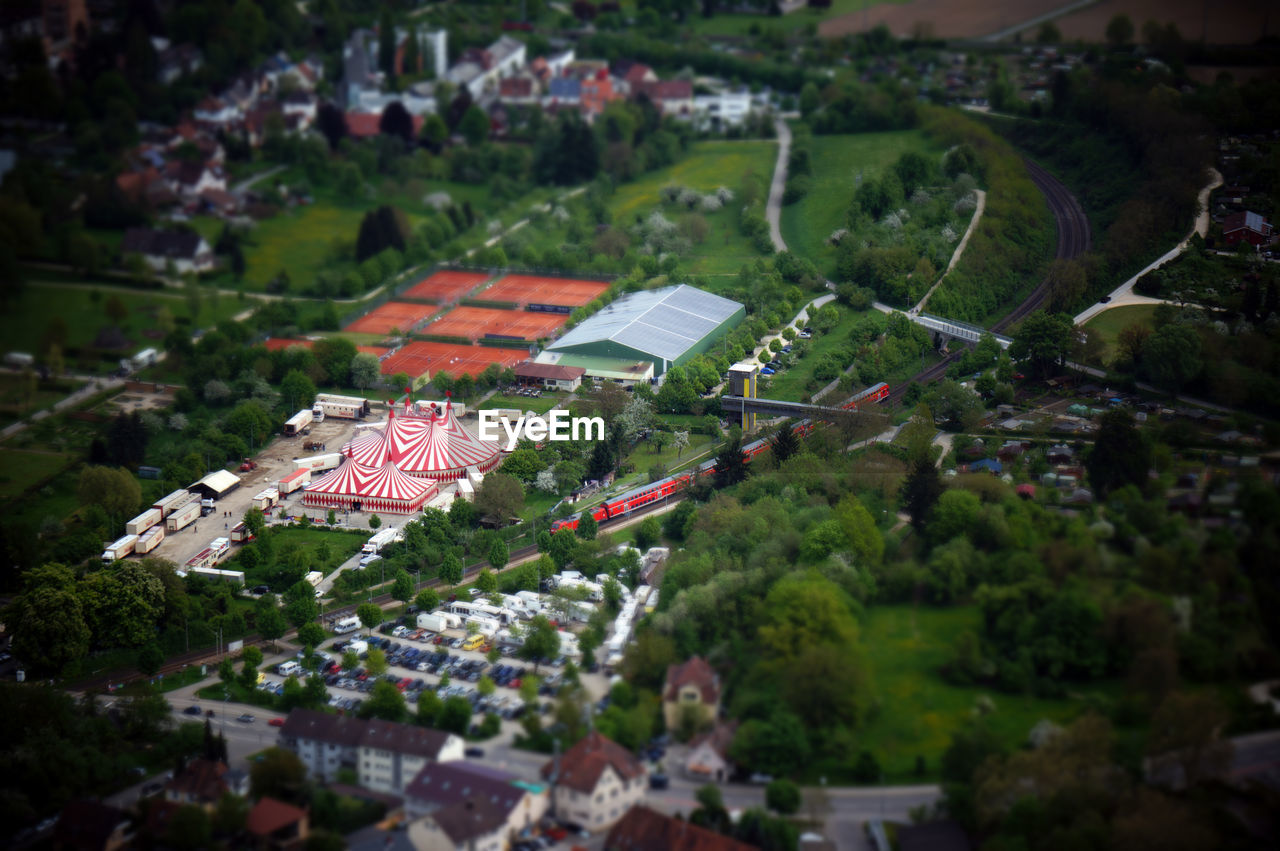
(784, 443)
(809, 99)
(1048, 33)
(1171, 356)
(270, 620)
(374, 521)
(474, 126)
(412, 59)
(429, 705)
(587, 526)
(311, 634)
(434, 132)
(1120, 455)
(782, 796)
(48, 626)
(499, 499)
(188, 828)
(648, 533)
(335, 354)
(386, 43)
(1043, 341)
(331, 123)
(297, 390)
(427, 600)
(1186, 732)
(396, 121)
(451, 570)
(150, 658)
(541, 641)
(385, 702)
(300, 605)
(454, 715)
(486, 581)
(277, 773)
(1119, 31)
(226, 671)
(254, 522)
(112, 488)
(365, 370)
(486, 686)
(376, 662)
(498, 556)
(920, 491)
(370, 615)
(731, 464)
(402, 586)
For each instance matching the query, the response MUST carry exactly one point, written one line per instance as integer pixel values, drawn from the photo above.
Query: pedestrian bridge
(952, 329)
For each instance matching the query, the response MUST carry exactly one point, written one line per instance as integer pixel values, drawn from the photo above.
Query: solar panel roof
(662, 323)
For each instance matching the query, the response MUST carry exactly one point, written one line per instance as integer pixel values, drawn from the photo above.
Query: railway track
(1073, 237)
(1073, 240)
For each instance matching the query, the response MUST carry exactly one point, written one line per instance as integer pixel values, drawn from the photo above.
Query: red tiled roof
(719, 737)
(514, 87)
(362, 125)
(643, 829)
(584, 763)
(668, 90)
(694, 672)
(529, 369)
(271, 815)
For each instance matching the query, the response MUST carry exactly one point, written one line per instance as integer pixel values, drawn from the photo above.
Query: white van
(350, 624)
(289, 669)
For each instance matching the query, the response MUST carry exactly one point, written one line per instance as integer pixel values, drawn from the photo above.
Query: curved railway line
(1073, 240)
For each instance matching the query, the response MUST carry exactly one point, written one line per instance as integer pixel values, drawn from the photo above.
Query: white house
(187, 251)
(726, 109)
(217, 111)
(596, 781)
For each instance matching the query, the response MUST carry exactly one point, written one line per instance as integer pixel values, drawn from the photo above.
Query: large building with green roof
(666, 327)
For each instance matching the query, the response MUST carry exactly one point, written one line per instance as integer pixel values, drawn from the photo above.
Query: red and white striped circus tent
(367, 488)
(427, 444)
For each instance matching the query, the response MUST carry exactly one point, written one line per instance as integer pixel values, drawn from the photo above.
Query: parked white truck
(119, 549)
(144, 521)
(183, 517)
(150, 539)
(438, 621)
(381, 538)
(296, 423)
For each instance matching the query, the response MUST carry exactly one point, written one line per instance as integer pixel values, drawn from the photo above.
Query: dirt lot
(948, 18)
(273, 462)
(1226, 21)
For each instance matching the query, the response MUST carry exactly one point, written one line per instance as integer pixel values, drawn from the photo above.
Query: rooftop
(643, 829)
(583, 764)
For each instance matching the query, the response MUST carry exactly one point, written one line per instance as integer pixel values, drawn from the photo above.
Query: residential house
(92, 826)
(359, 67)
(385, 756)
(520, 89)
(480, 70)
(550, 376)
(708, 759)
(186, 251)
(671, 97)
(189, 179)
(721, 111)
(691, 686)
(597, 92)
(217, 112)
(175, 61)
(276, 825)
(564, 91)
(643, 829)
(365, 125)
(594, 782)
(244, 91)
(1247, 227)
(301, 104)
(473, 825)
(635, 74)
(203, 782)
(558, 63)
(462, 792)
(414, 103)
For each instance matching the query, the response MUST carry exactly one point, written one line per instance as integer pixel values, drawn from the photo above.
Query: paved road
(773, 208)
(1123, 294)
(958, 253)
(248, 182)
(93, 384)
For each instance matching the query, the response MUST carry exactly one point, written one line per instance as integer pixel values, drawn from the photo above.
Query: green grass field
(14, 404)
(1109, 323)
(22, 469)
(837, 160)
(23, 326)
(917, 710)
(708, 166)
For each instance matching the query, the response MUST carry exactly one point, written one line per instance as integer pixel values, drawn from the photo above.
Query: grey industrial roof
(663, 322)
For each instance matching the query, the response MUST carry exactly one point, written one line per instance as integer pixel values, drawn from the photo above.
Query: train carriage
(624, 504)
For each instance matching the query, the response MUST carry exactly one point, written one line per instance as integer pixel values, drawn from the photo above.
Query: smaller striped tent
(358, 487)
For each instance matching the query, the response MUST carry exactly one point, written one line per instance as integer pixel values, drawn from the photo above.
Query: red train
(624, 504)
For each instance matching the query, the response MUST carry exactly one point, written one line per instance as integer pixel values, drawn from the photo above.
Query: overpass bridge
(777, 408)
(952, 329)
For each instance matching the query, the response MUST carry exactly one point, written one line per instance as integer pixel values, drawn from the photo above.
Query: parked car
(659, 781)
(474, 752)
(246, 718)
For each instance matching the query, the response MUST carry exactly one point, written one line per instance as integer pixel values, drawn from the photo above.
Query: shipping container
(316, 463)
(119, 549)
(294, 481)
(150, 540)
(343, 407)
(296, 423)
(183, 517)
(144, 521)
(170, 502)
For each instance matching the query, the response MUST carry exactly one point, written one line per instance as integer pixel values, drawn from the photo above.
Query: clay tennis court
(424, 358)
(476, 322)
(534, 289)
(446, 286)
(393, 314)
(274, 343)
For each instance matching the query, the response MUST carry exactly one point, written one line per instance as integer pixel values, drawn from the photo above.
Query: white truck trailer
(183, 517)
(266, 500)
(438, 621)
(342, 407)
(119, 549)
(170, 502)
(144, 521)
(233, 577)
(296, 423)
(316, 463)
(381, 538)
(150, 539)
(296, 480)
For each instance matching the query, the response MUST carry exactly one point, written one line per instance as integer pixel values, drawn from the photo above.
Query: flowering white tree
(545, 481)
